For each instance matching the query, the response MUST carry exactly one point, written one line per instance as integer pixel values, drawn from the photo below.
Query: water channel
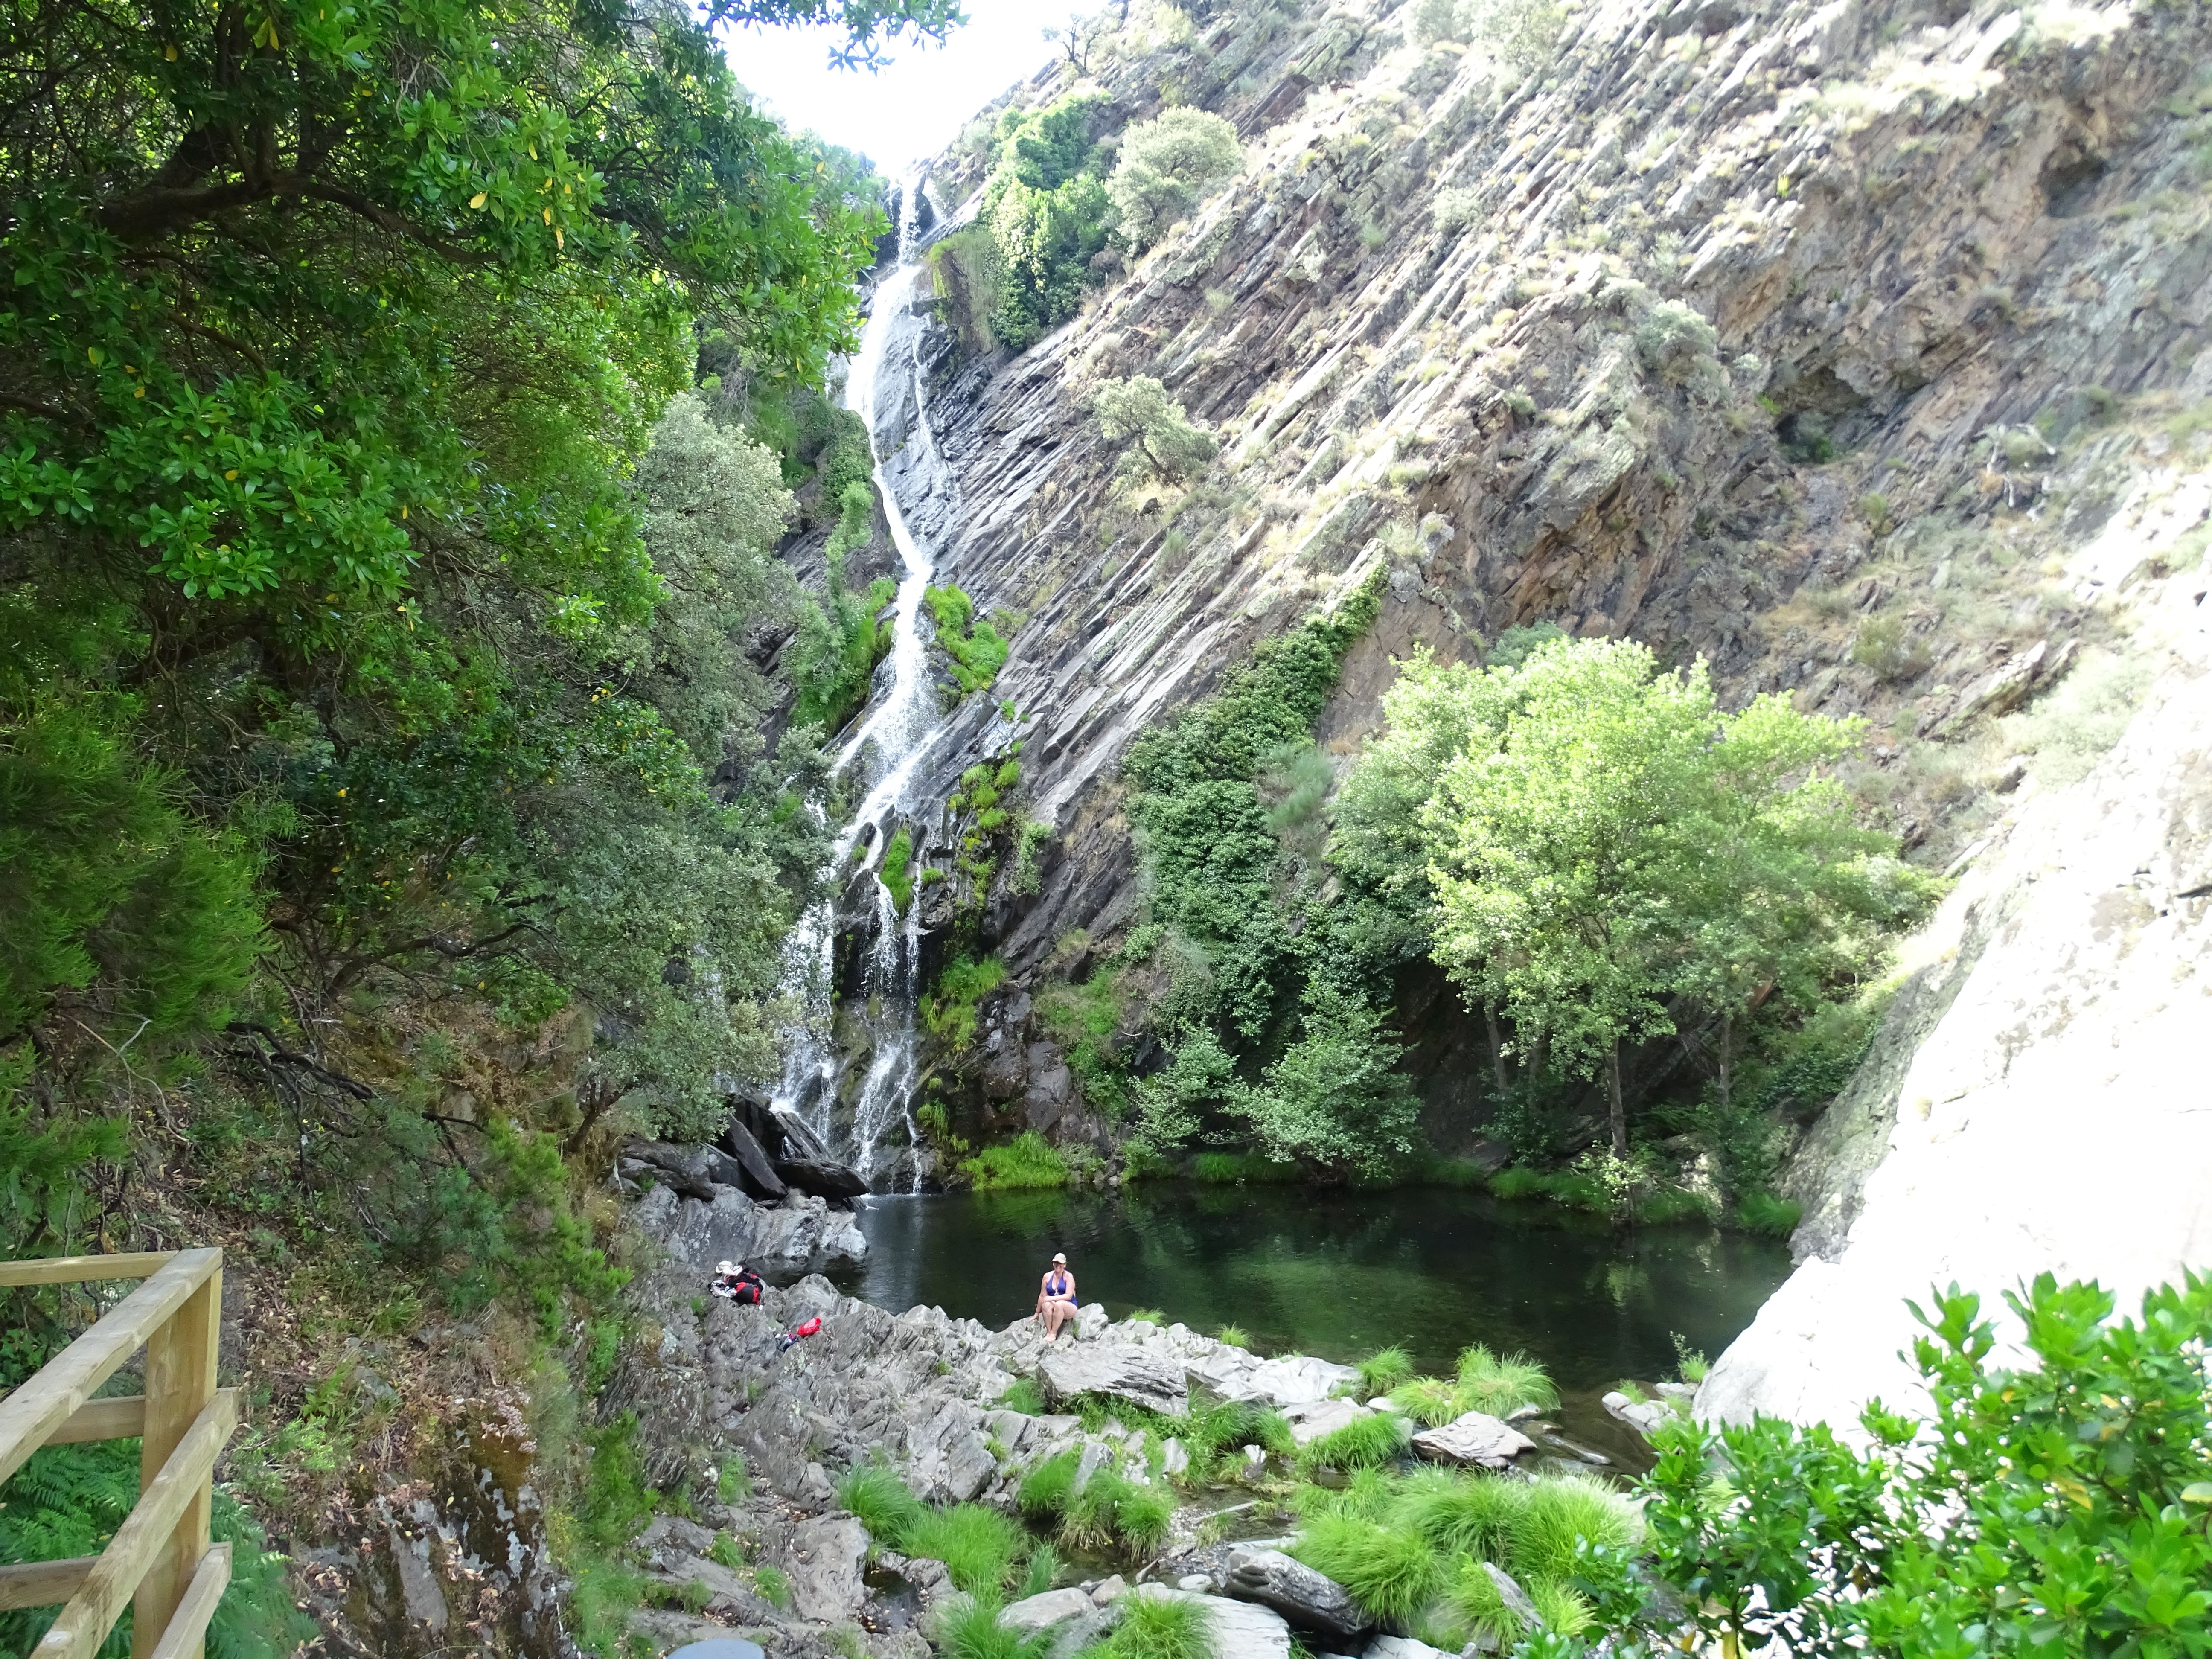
(1340, 1274)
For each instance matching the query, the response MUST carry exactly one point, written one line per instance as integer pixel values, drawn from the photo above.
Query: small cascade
(886, 747)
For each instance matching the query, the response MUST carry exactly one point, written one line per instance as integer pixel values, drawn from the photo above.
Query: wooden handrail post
(180, 1380)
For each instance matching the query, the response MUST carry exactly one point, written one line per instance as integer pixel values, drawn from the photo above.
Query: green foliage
(1363, 1444)
(948, 1007)
(510, 1226)
(1024, 1396)
(1432, 1401)
(898, 868)
(1044, 1489)
(2061, 1507)
(975, 646)
(1473, 1599)
(978, 1546)
(1109, 1512)
(1768, 1214)
(44, 1163)
(1166, 167)
(881, 1502)
(1489, 1383)
(68, 1501)
(1691, 1363)
(1157, 1627)
(1043, 1568)
(1335, 1098)
(1027, 1160)
(1671, 339)
(1234, 1169)
(1164, 440)
(1384, 1370)
(1462, 1514)
(1235, 1336)
(966, 1628)
(1149, 1315)
(967, 276)
(1561, 1514)
(839, 644)
(775, 1586)
(725, 1551)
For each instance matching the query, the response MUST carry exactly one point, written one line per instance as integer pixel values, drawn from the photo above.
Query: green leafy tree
(2058, 1507)
(1335, 1098)
(1166, 167)
(1164, 440)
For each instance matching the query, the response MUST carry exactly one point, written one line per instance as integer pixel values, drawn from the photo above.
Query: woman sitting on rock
(1056, 1298)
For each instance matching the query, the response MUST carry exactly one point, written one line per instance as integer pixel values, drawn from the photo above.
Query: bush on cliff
(1166, 167)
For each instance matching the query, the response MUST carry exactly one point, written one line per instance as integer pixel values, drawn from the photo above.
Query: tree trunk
(1727, 1045)
(1613, 1099)
(1496, 1048)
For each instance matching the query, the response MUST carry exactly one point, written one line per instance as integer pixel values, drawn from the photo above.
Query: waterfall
(887, 745)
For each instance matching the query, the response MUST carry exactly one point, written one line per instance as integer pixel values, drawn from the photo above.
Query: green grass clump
(1044, 1489)
(1234, 1424)
(1475, 1603)
(1384, 1370)
(1367, 1495)
(1150, 1315)
(1363, 1443)
(1027, 1160)
(1227, 1169)
(1043, 1568)
(1025, 1396)
(1461, 1514)
(775, 1588)
(1489, 1383)
(1113, 1512)
(971, 1630)
(1768, 1215)
(1559, 1512)
(881, 1503)
(1664, 1206)
(1235, 1336)
(1517, 1182)
(1564, 1610)
(979, 1546)
(725, 1551)
(1158, 1627)
(1391, 1570)
(1429, 1401)
(1689, 1364)
(898, 868)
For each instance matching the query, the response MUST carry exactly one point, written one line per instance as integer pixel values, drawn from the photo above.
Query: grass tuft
(1473, 1599)
(971, 1630)
(1158, 1627)
(1560, 1512)
(1043, 1568)
(1044, 1489)
(1235, 1336)
(1429, 1401)
(1461, 1514)
(1768, 1215)
(882, 1503)
(775, 1588)
(1149, 1315)
(1363, 1443)
(1385, 1369)
(1488, 1383)
(978, 1546)
(1392, 1572)
(1025, 1396)
(1564, 1610)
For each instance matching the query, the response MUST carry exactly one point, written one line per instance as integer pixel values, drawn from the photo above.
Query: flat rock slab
(1120, 1370)
(1311, 1421)
(1479, 1438)
(1402, 1646)
(1038, 1613)
(1240, 1630)
(826, 1561)
(1294, 1590)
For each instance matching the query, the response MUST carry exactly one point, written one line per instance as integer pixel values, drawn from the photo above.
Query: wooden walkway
(159, 1560)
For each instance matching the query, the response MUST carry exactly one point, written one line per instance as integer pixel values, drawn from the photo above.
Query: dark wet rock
(1308, 1599)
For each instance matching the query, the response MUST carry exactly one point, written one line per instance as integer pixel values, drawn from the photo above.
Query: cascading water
(899, 725)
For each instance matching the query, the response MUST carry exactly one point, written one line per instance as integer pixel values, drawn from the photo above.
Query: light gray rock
(1240, 1630)
(1097, 1454)
(726, 1590)
(1120, 1370)
(1641, 1415)
(1474, 1437)
(1090, 1320)
(1111, 1591)
(796, 1230)
(1255, 1459)
(1174, 1460)
(1200, 1584)
(1305, 1597)
(824, 1564)
(1515, 1599)
(1311, 1420)
(1040, 1613)
(1402, 1646)
(1292, 1380)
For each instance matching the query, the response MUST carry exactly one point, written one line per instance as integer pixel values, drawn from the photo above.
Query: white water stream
(895, 731)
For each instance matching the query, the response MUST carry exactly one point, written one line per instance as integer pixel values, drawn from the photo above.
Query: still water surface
(1340, 1274)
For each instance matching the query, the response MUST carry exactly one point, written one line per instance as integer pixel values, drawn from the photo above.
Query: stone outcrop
(1120, 1370)
(1308, 1599)
(1239, 1629)
(795, 1232)
(1475, 1439)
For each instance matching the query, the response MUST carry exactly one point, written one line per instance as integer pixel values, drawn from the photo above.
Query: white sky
(913, 107)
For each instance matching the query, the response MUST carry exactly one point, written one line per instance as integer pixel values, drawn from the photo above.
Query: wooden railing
(159, 1560)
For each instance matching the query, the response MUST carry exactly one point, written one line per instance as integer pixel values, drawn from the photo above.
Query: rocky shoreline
(925, 1396)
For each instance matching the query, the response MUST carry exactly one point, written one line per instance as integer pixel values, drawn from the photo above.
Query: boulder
(1311, 1421)
(1402, 1646)
(1120, 1370)
(1305, 1597)
(1515, 1599)
(1042, 1613)
(761, 1178)
(1476, 1437)
(1174, 1460)
(1296, 1379)
(1240, 1630)
(1641, 1415)
(821, 1176)
(824, 1564)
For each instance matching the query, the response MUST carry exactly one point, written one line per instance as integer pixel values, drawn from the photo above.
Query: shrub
(1166, 167)
(967, 273)
(1138, 411)
(1893, 654)
(948, 1007)
(1392, 1572)
(1157, 1627)
(977, 650)
(1365, 1442)
(1671, 339)
(881, 1502)
(1384, 1370)
(1025, 1161)
(1768, 1214)
(1461, 1514)
(1488, 1383)
(838, 645)
(1689, 1364)
(978, 1546)
(1560, 1512)
(898, 869)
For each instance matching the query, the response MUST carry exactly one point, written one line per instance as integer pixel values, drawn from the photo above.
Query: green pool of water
(1340, 1274)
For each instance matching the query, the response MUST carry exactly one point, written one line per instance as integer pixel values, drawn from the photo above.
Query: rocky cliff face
(1824, 341)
